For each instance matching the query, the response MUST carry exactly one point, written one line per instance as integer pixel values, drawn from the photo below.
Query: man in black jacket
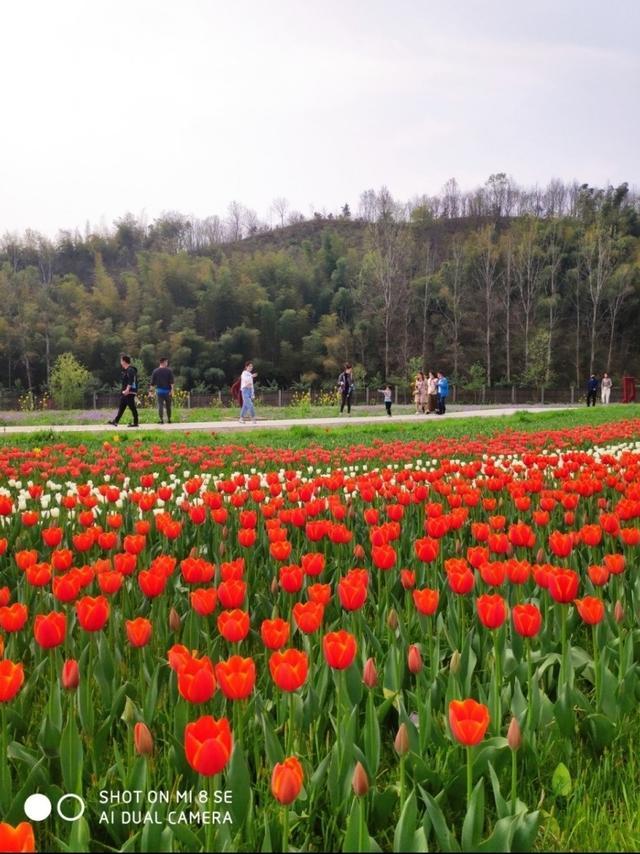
(129, 391)
(592, 390)
(345, 386)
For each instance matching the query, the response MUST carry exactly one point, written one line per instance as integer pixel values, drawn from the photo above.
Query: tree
(486, 262)
(280, 205)
(70, 380)
(528, 262)
(597, 265)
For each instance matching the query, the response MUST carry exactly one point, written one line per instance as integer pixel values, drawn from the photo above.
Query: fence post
(396, 393)
(484, 394)
(220, 396)
(95, 400)
(279, 397)
(542, 394)
(188, 400)
(366, 395)
(513, 394)
(573, 393)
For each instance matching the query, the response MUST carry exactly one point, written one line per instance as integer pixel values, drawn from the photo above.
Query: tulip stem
(290, 727)
(469, 774)
(497, 680)
(529, 686)
(563, 635)
(402, 781)
(461, 620)
(596, 664)
(514, 780)
(285, 829)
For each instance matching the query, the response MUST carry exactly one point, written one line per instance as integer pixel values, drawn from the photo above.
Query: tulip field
(398, 645)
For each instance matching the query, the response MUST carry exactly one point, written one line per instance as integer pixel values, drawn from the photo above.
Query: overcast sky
(111, 106)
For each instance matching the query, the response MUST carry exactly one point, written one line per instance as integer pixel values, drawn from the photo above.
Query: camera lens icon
(38, 807)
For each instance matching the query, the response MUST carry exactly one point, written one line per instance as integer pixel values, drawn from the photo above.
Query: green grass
(348, 434)
(602, 812)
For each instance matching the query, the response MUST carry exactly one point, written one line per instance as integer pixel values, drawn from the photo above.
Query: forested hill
(500, 286)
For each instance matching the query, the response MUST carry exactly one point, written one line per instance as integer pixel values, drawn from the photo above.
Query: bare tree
(597, 266)
(429, 269)
(528, 263)
(486, 275)
(451, 199)
(620, 287)
(235, 215)
(555, 251)
(506, 294)
(451, 298)
(281, 206)
(388, 242)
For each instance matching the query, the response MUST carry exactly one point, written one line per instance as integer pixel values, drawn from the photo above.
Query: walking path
(278, 424)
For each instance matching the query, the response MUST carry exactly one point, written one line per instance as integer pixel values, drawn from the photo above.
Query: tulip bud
(392, 619)
(414, 659)
(142, 739)
(360, 781)
(358, 552)
(221, 549)
(70, 675)
(514, 735)
(509, 551)
(458, 546)
(129, 713)
(193, 552)
(540, 556)
(401, 743)
(454, 664)
(225, 532)
(274, 586)
(369, 674)
(618, 612)
(174, 620)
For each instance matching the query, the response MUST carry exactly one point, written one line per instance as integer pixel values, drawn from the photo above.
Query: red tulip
(339, 649)
(236, 677)
(207, 744)
(274, 633)
(527, 620)
(196, 680)
(11, 679)
(289, 669)
(563, 585)
(233, 625)
(139, 631)
(426, 601)
(468, 721)
(591, 609)
(70, 675)
(50, 629)
(19, 838)
(286, 780)
(492, 610)
(92, 613)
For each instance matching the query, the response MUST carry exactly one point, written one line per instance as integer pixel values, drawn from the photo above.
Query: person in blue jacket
(443, 391)
(592, 390)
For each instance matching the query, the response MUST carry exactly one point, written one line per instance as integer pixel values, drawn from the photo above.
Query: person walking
(129, 391)
(247, 391)
(387, 397)
(605, 388)
(432, 392)
(345, 385)
(443, 391)
(592, 390)
(420, 392)
(162, 382)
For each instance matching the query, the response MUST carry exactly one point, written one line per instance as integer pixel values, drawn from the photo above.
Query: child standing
(388, 397)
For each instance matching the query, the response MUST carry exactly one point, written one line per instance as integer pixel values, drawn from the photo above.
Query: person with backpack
(129, 391)
(162, 381)
(345, 386)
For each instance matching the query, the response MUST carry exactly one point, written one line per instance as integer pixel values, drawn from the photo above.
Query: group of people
(429, 392)
(605, 389)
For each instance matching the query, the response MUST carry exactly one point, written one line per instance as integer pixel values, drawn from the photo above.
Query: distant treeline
(499, 285)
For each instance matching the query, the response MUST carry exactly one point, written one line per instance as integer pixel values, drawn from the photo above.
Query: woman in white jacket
(605, 388)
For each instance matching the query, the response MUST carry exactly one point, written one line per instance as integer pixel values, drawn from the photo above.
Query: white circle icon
(37, 807)
(70, 797)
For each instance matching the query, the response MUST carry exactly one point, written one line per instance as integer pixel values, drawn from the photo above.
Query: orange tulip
(468, 721)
